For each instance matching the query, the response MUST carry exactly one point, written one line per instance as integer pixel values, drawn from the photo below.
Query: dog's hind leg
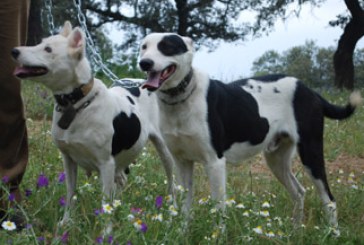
(167, 161)
(70, 168)
(280, 162)
(311, 153)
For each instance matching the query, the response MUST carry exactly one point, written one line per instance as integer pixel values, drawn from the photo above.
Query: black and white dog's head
(166, 58)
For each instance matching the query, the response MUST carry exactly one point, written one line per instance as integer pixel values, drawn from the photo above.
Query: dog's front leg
(70, 168)
(107, 174)
(185, 178)
(216, 172)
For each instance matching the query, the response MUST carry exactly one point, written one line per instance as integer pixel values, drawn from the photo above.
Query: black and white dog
(97, 128)
(207, 121)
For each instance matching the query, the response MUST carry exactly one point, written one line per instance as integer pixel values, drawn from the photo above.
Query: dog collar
(76, 95)
(181, 87)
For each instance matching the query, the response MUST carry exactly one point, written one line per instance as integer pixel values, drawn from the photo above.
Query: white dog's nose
(15, 53)
(146, 64)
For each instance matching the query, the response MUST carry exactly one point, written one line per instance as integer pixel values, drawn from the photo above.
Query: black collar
(76, 95)
(181, 87)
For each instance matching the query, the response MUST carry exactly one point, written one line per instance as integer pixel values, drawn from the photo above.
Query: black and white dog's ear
(66, 29)
(188, 42)
(76, 43)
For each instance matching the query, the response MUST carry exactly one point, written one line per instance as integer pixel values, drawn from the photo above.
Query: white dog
(210, 122)
(94, 127)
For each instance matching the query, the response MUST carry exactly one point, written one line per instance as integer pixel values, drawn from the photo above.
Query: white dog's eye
(144, 46)
(48, 49)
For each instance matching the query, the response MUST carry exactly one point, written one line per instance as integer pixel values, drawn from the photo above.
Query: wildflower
(230, 202)
(338, 180)
(8, 225)
(266, 205)
(215, 234)
(173, 211)
(354, 186)
(99, 240)
(5, 179)
(61, 177)
(316, 227)
(181, 188)
(12, 197)
(62, 201)
(341, 171)
(64, 237)
(41, 239)
(270, 234)
(28, 192)
(129, 243)
(140, 226)
(107, 208)
(352, 175)
(116, 203)
(136, 210)
(246, 214)
(240, 205)
(169, 199)
(131, 217)
(213, 210)
(97, 212)
(110, 239)
(158, 202)
(42, 181)
(264, 213)
(158, 217)
(258, 230)
(204, 200)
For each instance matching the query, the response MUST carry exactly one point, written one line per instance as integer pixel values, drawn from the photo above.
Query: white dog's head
(167, 59)
(58, 62)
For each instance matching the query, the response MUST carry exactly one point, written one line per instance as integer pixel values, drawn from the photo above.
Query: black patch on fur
(308, 111)
(135, 91)
(130, 100)
(276, 90)
(233, 116)
(172, 45)
(126, 132)
(127, 170)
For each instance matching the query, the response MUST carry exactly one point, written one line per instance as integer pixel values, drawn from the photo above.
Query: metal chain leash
(90, 44)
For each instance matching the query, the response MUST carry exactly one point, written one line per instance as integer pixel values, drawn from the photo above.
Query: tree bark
(343, 58)
(35, 29)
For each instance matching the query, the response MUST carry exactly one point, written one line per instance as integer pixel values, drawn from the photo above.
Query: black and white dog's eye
(48, 49)
(144, 46)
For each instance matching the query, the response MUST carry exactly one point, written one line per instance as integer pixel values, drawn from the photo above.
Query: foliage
(257, 202)
(308, 62)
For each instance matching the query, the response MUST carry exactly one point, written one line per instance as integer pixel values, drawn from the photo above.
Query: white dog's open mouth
(30, 71)
(156, 78)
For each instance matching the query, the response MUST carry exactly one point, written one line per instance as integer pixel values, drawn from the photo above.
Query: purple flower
(62, 201)
(99, 240)
(129, 243)
(64, 237)
(110, 239)
(28, 192)
(5, 179)
(136, 210)
(41, 239)
(98, 211)
(158, 202)
(61, 177)
(143, 227)
(42, 181)
(11, 197)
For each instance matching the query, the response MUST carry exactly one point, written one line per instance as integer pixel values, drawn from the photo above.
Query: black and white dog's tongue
(153, 81)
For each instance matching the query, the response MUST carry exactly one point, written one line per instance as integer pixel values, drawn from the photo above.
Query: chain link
(48, 7)
(95, 55)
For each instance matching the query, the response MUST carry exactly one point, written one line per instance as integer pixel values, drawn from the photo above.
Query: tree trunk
(35, 27)
(343, 58)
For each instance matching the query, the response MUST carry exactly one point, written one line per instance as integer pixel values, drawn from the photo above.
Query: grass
(250, 184)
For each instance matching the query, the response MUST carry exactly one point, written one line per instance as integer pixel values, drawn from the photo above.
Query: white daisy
(258, 230)
(107, 208)
(8, 225)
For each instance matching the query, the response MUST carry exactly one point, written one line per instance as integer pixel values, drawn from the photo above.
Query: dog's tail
(342, 112)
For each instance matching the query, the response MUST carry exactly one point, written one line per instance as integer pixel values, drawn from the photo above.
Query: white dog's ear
(76, 43)
(67, 28)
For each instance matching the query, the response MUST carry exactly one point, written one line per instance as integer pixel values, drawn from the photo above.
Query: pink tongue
(153, 80)
(21, 70)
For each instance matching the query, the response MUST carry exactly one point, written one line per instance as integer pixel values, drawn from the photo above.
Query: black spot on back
(233, 116)
(172, 45)
(134, 91)
(130, 100)
(126, 132)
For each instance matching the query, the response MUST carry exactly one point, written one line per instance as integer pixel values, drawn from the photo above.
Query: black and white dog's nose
(146, 64)
(15, 53)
